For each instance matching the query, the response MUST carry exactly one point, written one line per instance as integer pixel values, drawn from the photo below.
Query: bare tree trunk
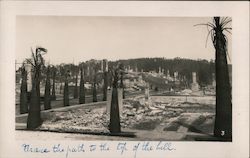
(122, 86)
(114, 125)
(105, 85)
(23, 94)
(66, 94)
(82, 90)
(223, 118)
(47, 102)
(34, 117)
(94, 89)
(76, 88)
(94, 93)
(53, 96)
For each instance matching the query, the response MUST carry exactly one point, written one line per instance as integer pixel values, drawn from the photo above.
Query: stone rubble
(138, 113)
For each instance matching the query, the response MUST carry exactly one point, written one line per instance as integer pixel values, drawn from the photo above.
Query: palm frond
(41, 49)
(208, 36)
(227, 31)
(205, 25)
(226, 44)
(34, 57)
(225, 23)
(30, 62)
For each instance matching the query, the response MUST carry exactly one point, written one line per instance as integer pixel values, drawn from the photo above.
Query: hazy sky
(78, 39)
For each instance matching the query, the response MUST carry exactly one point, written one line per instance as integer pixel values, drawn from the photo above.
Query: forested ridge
(184, 67)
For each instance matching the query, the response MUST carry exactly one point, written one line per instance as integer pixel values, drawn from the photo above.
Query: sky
(71, 39)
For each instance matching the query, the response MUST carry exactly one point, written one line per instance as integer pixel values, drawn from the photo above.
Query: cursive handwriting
(82, 148)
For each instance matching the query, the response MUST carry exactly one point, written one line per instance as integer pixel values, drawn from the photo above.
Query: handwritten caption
(121, 147)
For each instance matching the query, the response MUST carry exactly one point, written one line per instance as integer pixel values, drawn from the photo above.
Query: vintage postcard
(127, 79)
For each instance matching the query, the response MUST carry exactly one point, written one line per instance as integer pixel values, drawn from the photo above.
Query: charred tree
(53, 95)
(105, 85)
(121, 80)
(82, 89)
(47, 97)
(94, 87)
(66, 91)
(114, 125)
(34, 117)
(23, 94)
(223, 117)
(76, 80)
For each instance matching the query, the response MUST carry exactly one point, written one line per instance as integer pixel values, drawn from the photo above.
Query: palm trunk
(34, 118)
(82, 90)
(94, 89)
(53, 96)
(23, 94)
(223, 118)
(122, 86)
(66, 94)
(105, 86)
(94, 93)
(114, 125)
(76, 88)
(47, 102)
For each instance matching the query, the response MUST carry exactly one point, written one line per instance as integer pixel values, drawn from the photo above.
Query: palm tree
(66, 89)
(114, 125)
(47, 97)
(23, 94)
(75, 71)
(82, 91)
(94, 84)
(53, 95)
(105, 85)
(105, 79)
(34, 117)
(121, 67)
(223, 116)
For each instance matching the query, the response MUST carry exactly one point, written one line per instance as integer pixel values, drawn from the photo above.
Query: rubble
(169, 112)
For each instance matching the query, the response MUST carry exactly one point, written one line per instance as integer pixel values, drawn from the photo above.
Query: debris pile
(139, 113)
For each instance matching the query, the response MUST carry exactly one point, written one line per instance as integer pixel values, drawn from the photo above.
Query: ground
(156, 118)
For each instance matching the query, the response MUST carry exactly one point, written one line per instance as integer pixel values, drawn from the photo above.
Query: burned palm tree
(82, 90)
(114, 125)
(223, 117)
(75, 70)
(105, 79)
(121, 67)
(53, 94)
(61, 79)
(47, 97)
(94, 84)
(105, 85)
(66, 89)
(23, 94)
(34, 118)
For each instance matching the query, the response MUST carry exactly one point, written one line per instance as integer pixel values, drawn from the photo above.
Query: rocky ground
(159, 114)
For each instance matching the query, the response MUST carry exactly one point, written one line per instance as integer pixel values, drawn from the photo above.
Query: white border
(239, 11)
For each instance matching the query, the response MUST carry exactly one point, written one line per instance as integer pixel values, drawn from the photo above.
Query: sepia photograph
(123, 78)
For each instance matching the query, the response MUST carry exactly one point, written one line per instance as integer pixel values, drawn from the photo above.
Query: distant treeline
(184, 67)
